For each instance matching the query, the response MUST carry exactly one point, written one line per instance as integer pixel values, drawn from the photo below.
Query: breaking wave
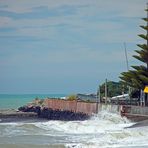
(102, 130)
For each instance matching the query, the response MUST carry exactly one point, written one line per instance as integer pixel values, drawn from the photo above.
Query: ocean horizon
(14, 101)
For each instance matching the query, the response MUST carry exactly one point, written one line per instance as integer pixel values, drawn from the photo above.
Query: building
(87, 97)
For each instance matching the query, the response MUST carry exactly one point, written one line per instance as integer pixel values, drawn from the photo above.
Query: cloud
(67, 40)
(81, 8)
(28, 6)
(95, 15)
(5, 21)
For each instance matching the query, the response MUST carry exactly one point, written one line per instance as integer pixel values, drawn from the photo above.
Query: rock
(36, 109)
(51, 114)
(62, 115)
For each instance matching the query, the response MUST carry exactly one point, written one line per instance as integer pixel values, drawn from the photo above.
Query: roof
(87, 97)
(124, 96)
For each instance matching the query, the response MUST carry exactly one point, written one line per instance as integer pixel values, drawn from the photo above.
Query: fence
(75, 106)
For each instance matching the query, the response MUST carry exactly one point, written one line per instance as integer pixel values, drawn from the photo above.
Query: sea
(102, 130)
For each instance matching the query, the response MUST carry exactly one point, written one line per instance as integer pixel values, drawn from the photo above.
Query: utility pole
(99, 95)
(126, 56)
(98, 99)
(105, 91)
(127, 66)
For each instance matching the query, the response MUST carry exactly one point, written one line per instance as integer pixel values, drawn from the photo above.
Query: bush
(72, 97)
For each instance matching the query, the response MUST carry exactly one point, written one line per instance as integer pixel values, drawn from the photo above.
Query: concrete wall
(87, 108)
(90, 108)
(61, 104)
(109, 107)
(75, 106)
(139, 110)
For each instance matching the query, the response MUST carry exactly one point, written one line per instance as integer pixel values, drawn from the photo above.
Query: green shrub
(72, 97)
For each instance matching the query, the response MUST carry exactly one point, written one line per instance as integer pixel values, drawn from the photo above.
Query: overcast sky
(66, 46)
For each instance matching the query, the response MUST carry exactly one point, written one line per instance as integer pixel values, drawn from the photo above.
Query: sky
(66, 46)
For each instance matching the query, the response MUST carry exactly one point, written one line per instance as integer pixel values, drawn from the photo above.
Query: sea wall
(88, 108)
(56, 109)
(74, 106)
(135, 113)
(54, 114)
(141, 110)
(109, 107)
(66, 115)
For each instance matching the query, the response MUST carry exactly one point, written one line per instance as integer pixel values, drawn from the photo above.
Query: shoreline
(38, 114)
(13, 115)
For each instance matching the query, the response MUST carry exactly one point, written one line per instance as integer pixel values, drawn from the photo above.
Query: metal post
(142, 101)
(147, 99)
(144, 97)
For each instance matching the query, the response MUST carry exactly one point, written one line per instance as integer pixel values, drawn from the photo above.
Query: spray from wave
(102, 130)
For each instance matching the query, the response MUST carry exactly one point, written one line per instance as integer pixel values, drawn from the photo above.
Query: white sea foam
(102, 122)
(102, 130)
(112, 133)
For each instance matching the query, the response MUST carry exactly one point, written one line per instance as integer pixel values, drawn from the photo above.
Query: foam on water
(102, 130)
(113, 133)
(99, 123)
